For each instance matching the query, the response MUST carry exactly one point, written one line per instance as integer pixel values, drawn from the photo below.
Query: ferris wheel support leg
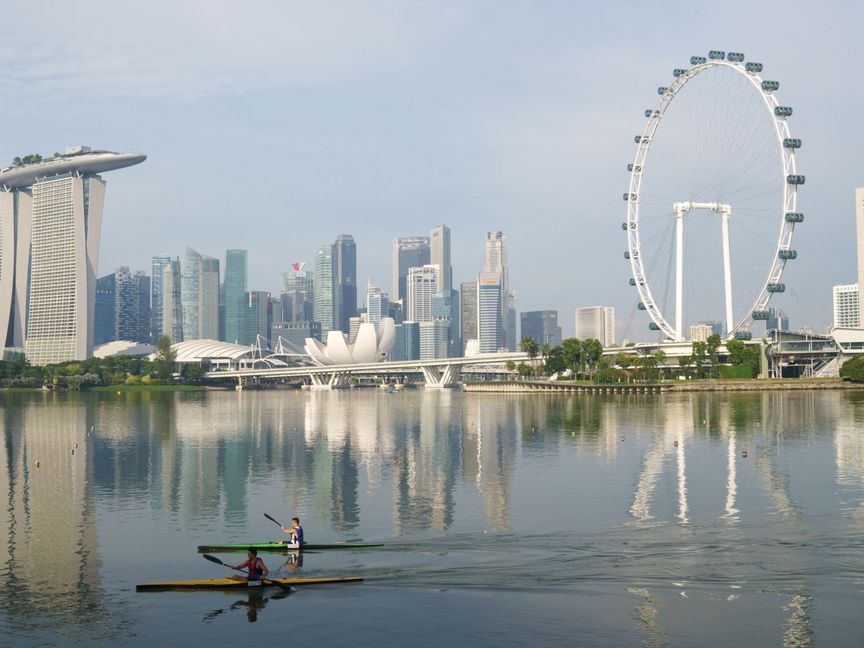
(679, 271)
(727, 272)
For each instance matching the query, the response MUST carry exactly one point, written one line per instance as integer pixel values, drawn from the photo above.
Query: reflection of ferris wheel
(724, 161)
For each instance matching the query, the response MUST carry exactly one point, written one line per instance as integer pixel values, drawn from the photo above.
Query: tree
(699, 355)
(555, 361)
(741, 354)
(165, 358)
(660, 357)
(712, 344)
(523, 369)
(572, 349)
(529, 345)
(592, 351)
(853, 370)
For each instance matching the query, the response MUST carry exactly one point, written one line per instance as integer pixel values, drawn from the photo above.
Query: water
(519, 520)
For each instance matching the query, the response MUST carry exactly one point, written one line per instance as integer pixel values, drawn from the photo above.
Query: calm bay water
(535, 520)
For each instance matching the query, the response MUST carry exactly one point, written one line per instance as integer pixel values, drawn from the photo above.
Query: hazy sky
(276, 126)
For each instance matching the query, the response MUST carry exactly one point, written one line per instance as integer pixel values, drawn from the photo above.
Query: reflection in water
(647, 618)
(50, 559)
(253, 604)
(441, 462)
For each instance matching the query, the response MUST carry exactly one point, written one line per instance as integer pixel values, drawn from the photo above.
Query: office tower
(468, 316)
(846, 306)
(172, 303)
(495, 260)
(489, 329)
(354, 327)
(300, 281)
(235, 288)
(777, 319)
(717, 327)
(189, 294)
(434, 339)
(49, 252)
(257, 318)
(345, 262)
(541, 326)
(157, 267)
(105, 310)
(596, 322)
(439, 254)
(16, 213)
(408, 252)
(443, 308)
(208, 298)
(377, 305)
(295, 333)
(859, 227)
(421, 283)
(700, 332)
(407, 343)
(131, 305)
(325, 309)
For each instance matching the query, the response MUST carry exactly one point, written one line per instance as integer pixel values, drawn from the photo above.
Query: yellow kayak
(228, 583)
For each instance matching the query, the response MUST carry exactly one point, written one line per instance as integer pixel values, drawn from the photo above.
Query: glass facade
(236, 278)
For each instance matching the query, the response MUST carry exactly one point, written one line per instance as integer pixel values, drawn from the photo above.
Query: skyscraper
(777, 319)
(542, 326)
(408, 252)
(434, 339)
(49, 252)
(439, 254)
(407, 343)
(489, 329)
(422, 283)
(300, 281)
(189, 294)
(131, 305)
(596, 322)
(496, 261)
(157, 267)
(846, 306)
(859, 228)
(16, 215)
(345, 261)
(468, 319)
(377, 305)
(172, 304)
(236, 268)
(105, 310)
(208, 298)
(325, 309)
(258, 316)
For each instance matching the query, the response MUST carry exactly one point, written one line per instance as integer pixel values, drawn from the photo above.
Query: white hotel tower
(50, 225)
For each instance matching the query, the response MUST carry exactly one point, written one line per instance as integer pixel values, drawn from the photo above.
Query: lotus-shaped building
(370, 345)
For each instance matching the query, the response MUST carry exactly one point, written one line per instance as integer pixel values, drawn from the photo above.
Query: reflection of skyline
(51, 564)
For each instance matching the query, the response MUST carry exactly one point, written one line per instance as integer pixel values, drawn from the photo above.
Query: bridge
(437, 374)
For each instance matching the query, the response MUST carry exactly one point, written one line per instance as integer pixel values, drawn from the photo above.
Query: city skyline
(533, 154)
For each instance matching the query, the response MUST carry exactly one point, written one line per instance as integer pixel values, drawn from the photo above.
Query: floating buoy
(622, 438)
(676, 444)
(73, 451)
(76, 445)
(744, 453)
(118, 392)
(37, 464)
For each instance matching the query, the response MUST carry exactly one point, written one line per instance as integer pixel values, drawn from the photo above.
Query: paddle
(274, 520)
(266, 581)
(277, 522)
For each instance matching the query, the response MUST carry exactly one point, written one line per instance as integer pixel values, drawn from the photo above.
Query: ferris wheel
(718, 202)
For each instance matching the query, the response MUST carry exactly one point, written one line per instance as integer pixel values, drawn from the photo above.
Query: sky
(276, 126)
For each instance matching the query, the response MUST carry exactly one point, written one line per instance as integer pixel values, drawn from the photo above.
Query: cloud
(186, 50)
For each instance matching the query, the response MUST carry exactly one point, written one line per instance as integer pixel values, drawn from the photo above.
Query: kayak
(282, 546)
(228, 583)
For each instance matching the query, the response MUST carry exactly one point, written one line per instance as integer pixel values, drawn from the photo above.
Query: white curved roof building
(222, 355)
(370, 345)
(124, 348)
